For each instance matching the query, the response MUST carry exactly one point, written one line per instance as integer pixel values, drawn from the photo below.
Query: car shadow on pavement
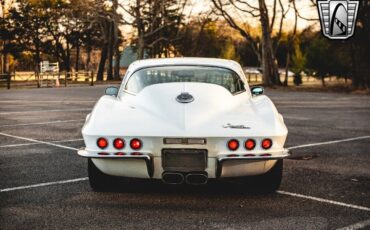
(143, 186)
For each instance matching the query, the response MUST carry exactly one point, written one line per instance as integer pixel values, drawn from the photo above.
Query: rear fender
(267, 111)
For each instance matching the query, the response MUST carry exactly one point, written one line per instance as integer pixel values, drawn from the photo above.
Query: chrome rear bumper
(217, 167)
(147, 157)
(284, 154)
(241, 165)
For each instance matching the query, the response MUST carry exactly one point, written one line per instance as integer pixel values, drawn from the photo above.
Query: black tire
(270, 181)
(99, 181)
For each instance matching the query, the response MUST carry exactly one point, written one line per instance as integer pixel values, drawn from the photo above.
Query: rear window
(167, 74)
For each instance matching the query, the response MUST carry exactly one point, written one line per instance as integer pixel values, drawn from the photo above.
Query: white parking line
(44, 111)
(296, 118)
(31, 102)
(43, 184)
(328, 142)
(279, 192)
(26, 144)
(355, 226)
(324, 200)
(42, 123)
(37, 141)
(323, 106)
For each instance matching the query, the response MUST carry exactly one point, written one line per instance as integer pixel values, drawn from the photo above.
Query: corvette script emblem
(228, 125)
(185, 97)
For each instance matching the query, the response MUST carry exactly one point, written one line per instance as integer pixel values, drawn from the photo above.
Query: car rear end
(177, 160)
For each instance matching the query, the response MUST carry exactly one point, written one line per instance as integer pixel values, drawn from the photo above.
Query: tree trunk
(67, 62)
(67, 66)
(77, 57)
(110, 53)
(270, 71)
(287, 69)
(110, 62)
(117, 59)
(88, 59)
(354, 67)
(117, 55)
(5, 63)
(103, 59)
(323, 81)
(140, 47)
(37, 63)
(140, 31)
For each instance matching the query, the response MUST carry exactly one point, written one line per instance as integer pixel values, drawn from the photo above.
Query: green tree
(360, 48)
(228, 51)
(319, 58)
(298, 59)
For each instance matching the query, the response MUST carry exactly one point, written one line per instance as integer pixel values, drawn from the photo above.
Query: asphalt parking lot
(326, 184)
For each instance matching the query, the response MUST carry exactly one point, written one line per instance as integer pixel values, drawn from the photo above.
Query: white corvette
(185, 120)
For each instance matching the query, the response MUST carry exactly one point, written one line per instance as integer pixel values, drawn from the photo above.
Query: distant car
(283, 72)
(185, 120)
(252, 70)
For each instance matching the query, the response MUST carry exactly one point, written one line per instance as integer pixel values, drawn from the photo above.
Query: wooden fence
(48, 79)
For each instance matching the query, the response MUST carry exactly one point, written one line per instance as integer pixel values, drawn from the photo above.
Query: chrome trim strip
(147, 158)
(184, 141)
(83, 153)
(284, 154)
(273, 157)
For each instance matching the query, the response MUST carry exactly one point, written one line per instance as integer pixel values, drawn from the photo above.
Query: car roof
(217, 62)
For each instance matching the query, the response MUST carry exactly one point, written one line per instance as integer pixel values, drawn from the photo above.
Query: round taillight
(266, 143)
(102, 143)
(250, 144)
(118, 143)
(135, 144)
(233, 144)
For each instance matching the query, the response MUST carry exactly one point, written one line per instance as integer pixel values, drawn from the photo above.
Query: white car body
(215, 116)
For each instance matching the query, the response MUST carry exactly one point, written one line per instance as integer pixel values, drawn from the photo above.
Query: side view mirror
(111, 91)
(257, 90)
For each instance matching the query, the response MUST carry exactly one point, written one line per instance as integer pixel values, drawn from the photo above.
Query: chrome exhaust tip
(172, 178)
(196, 178)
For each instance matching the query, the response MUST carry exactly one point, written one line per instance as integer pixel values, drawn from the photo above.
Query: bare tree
(290, 44)
(229, 9)
(104, 15)
(157, 23)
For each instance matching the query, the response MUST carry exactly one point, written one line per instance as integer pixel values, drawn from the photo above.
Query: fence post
(92, 78)
(65, 79)
(8, 78)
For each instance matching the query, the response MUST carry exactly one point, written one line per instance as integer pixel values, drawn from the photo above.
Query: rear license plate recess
(184, 160)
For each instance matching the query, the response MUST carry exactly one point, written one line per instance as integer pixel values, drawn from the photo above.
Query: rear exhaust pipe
(196, 178)
(172, 178)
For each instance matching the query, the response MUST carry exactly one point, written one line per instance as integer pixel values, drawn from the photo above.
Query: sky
(198, 7)
(303, 6)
